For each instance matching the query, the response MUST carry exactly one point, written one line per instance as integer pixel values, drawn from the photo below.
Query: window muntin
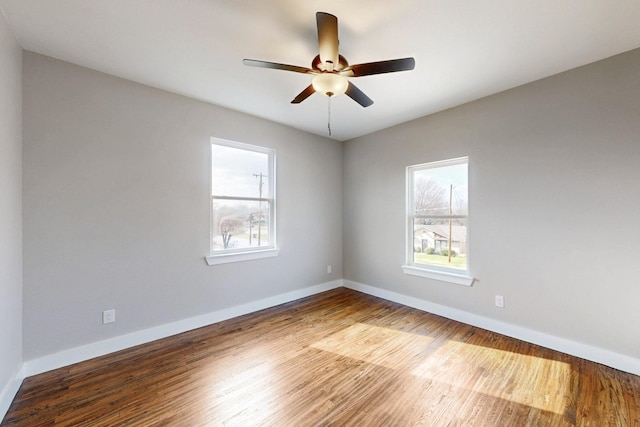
(242, 198)
(437, 216)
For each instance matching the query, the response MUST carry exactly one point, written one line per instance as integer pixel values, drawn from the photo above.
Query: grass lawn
(456, 262)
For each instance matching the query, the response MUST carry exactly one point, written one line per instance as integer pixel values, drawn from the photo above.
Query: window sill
(443, 276)
(242, 256)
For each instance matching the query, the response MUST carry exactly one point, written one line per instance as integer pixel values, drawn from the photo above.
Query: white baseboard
(100, 348)
(89, 351)
(584, 351)
(10, 390)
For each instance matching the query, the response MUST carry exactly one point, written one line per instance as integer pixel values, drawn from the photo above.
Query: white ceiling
(464, 49)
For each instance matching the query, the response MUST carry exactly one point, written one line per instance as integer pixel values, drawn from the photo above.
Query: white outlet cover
(108, 316)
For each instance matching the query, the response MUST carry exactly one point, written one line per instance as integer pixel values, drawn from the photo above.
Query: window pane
(432, 238)
(441, 190)
(240, 224)
(239, 173)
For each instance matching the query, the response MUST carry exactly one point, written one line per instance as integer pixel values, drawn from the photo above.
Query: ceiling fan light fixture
(330, 69)
(330, 84)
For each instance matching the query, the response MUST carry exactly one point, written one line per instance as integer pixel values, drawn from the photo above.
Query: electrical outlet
(108, 316)
(499, 301)
(328, 269)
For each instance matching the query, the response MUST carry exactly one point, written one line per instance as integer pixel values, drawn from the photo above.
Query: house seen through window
(242, 197)
(438, 207)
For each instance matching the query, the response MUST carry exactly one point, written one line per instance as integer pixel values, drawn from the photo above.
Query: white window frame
(245, 254)
(441, 273)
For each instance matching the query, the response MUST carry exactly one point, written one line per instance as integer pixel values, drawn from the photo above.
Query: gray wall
(554, 180)
(10, 206)
(116, 207)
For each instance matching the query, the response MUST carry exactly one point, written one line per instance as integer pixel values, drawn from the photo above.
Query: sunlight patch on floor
(533, 381)
(380, 346)
(245, 391)
(528, 380)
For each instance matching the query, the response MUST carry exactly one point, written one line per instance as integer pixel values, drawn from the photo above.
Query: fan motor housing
(317, 64)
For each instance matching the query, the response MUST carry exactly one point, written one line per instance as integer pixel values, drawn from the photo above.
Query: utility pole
(261, 176)
(450, 212)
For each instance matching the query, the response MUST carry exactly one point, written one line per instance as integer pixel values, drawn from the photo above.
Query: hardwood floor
(340, 358)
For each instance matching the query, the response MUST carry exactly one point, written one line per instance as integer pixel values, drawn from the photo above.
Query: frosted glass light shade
(330, 84)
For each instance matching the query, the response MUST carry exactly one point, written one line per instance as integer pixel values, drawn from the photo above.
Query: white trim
(10, 390)
(574, 348)
(79, 354)
(272, 172)
(242, 145)
(443, 276)
(242, 256)
(432, 272)
(100, 348)
(439, 164)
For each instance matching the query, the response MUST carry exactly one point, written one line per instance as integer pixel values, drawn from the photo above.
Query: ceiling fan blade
(276, 66)
(327, 38)
(304, 95)
(357, 95)
(379, 67)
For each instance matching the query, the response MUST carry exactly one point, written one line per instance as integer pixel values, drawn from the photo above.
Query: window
(242, 202)
(437, 221)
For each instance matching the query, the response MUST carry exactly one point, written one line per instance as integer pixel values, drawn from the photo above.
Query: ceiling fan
(330, 69)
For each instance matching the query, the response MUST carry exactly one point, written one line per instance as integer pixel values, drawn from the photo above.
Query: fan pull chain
(329, 116)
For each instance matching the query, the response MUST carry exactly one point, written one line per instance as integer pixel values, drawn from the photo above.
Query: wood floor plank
(340, 358)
